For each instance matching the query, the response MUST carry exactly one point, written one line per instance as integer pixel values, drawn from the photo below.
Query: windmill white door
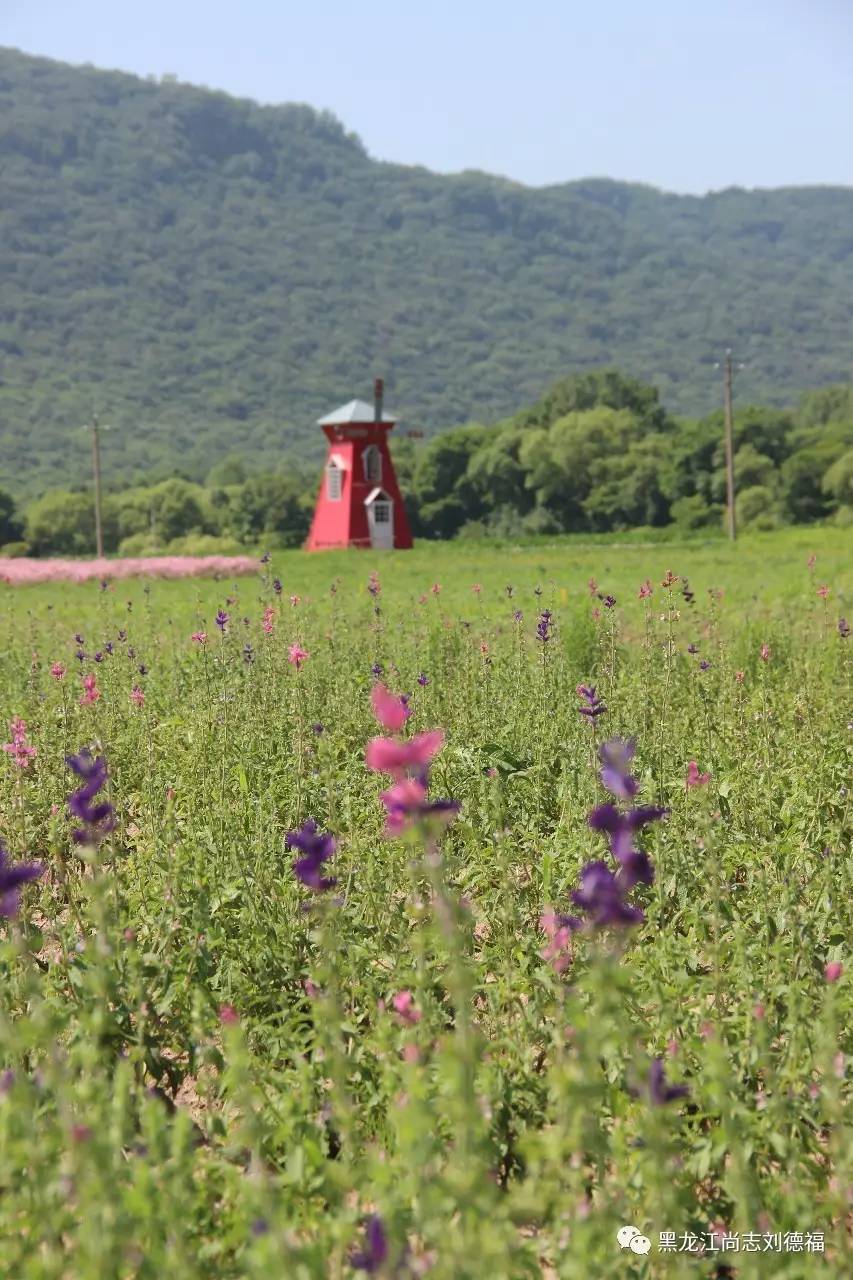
(380, 520)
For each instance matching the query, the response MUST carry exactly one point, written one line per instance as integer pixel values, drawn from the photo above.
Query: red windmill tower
(359, 504)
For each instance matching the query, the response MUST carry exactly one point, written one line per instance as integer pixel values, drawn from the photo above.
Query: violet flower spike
(616, 755)
(316, 848)
(97, 819)
(659, 1091)
(620, 827)
(601, 896)
(375, 1251)
(594, 706)
(12, 878)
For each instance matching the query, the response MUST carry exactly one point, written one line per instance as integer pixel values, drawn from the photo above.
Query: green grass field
(213, 1066)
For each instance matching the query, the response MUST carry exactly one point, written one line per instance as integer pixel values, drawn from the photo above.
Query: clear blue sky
(689, 95)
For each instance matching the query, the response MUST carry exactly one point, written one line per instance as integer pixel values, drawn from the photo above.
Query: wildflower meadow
(473, 912)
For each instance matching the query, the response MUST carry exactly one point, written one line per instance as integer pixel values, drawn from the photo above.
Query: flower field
(468, 912)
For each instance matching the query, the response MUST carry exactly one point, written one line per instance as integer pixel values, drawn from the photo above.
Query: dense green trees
(597, 453)
(212, 275)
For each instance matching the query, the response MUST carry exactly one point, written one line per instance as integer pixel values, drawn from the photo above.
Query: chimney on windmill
(359, 503)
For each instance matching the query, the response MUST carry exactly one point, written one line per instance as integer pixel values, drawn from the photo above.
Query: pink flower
(765, 652)
(436, 588)
(833, 971)
(137, 697)
(267, 620)
(596, 614)
(57, 670)
(669, 579)
(558, 952)
(758, 1011)
(593, 586)
(645, 590)
(294, 600)
(19, 749)
(823, 591)
(391, 712)
(228, 1015)
(476, 588)
(404, 1005)
(694, 777)
(739, 677)
(298, 655)
(91, 692)
(812, 561)
(199, 637)
(404, 803)
(385, 755)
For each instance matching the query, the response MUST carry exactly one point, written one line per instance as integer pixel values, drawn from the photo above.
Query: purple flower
(843, 628)
(142, 669)
(518, 616)
(423, 680)
(594, 706)
(266, 557)
(616, 755)
(543, 628)
(80, 655)
(377, 669)
(608, 601)
(122, 635)
(108, 647)
(602, 896)
(620, 827)
(316, 848)
(222, 619)
(248, 653)
(79, 638)
(99, 657)
(704, 664)
(318, 729)
(11, 880)
(686, 592)
(97, 819)
(659, 1091)
(692, 648)
(276, 586)
(375, 1250)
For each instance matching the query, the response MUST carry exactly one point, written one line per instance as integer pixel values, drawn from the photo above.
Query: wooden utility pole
(96, 469)
(730, 460)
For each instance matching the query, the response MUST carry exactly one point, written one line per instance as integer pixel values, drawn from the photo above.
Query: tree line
(598, 453)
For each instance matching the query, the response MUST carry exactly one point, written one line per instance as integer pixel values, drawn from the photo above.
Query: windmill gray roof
(355, 411)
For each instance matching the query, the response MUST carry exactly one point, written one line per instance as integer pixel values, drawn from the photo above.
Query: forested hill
(213, 275)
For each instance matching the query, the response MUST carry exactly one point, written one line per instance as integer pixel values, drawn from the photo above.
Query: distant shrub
(693, 512)
(204, 544)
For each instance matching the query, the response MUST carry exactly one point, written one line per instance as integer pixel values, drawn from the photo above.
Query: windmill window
(334, 482)
(372, 464)
(382, 512)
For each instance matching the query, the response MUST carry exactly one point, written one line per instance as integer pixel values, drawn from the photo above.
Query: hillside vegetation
(212, 275)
